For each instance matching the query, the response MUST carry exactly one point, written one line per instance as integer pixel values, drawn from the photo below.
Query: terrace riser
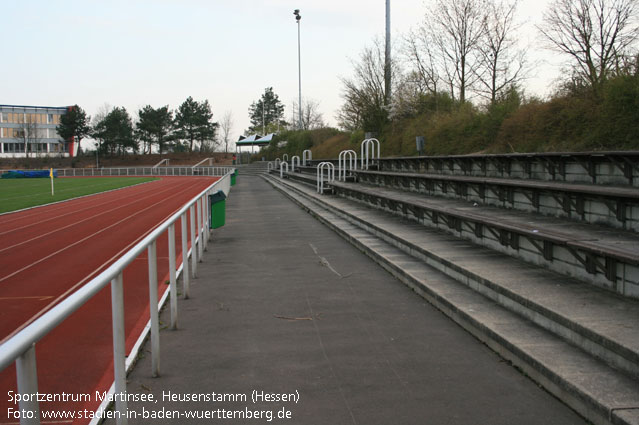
(485, 288)
(594, 211)
(605, 173)
(624, 282)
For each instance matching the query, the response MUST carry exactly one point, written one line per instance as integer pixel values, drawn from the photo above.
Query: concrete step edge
(577, 395)
(594, 343)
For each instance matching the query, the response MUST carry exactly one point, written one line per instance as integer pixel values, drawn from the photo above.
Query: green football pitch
(16, 194)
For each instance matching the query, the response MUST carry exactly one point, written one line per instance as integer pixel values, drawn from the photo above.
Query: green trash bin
(233, 177)
(218, 209)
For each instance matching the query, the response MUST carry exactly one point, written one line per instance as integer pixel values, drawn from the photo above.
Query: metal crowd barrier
(21, 347)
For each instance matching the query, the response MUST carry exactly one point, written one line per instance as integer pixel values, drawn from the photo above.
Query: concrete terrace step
(566, 301)
(596, 254)
(599, 255)
(497, 299)
(616, 206)
(252, 169)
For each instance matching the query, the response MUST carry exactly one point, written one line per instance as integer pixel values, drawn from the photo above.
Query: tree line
(267, 115)
(190, 127)
(461, 73)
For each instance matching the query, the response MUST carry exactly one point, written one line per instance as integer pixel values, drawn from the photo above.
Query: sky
(134, 53)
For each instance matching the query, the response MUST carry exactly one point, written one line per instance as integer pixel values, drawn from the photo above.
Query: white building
(31, 130)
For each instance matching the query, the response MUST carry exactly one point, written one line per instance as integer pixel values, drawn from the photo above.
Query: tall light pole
(298, 17)
(387, 62)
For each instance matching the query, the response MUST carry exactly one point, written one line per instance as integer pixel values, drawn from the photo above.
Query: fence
(141, 171)
(21, 347)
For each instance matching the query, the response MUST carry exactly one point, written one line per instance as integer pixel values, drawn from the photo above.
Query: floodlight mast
(298, 18)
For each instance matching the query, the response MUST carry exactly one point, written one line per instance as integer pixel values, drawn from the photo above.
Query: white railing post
(205, 221)
(200, 234)
(193, 244)
(186, 279)
(282, 169)
(172, 277)
(285, 157)
(119, 348)
(27, 377)
(306, 157)
(153, 309)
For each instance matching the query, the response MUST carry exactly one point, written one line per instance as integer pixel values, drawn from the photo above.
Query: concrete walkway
(285, 306)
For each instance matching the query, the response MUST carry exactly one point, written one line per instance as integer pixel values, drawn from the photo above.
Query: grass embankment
(574, 119)
(17, 194)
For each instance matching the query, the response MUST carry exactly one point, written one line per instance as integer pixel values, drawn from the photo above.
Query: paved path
(284, 305)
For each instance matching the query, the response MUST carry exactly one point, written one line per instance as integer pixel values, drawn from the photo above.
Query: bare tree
(364, 94)
(593, 33)
(456, 28)
(29, 133)
(311, 116)
(226, 126)
(502, 62)
(419, 52)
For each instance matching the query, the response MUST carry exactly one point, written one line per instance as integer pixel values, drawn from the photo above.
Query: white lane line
(75, 223)
(38, 222)
(90, 275)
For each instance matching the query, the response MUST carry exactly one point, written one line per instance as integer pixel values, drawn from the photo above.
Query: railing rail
(21, 347)
(144, 171)
(167, 160)
(210, 160)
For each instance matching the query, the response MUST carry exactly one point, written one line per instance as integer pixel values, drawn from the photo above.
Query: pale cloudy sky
(136, 52)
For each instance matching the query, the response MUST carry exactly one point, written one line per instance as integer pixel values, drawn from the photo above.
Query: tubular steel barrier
(352, 162)
(282, 169)
(369, 145)
(210, 160)
(330, 175)
(306, 155)
(293, 162)
(285, 157)
(145, 171)
(21, 347)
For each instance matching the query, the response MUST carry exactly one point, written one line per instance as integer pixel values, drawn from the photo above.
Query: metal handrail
(167, 160)
(352, 162)
(306, 155)
(366, 145)
(144, 171)
(203, 161)
(293, 162)
(21, 347)
(330, 171)
(282, 169)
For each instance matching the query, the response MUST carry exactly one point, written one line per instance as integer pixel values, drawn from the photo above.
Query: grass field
(16, 194)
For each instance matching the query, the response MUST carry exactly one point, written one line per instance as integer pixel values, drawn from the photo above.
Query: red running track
(46, 253)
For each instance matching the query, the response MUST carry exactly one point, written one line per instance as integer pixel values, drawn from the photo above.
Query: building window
(50, 119)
